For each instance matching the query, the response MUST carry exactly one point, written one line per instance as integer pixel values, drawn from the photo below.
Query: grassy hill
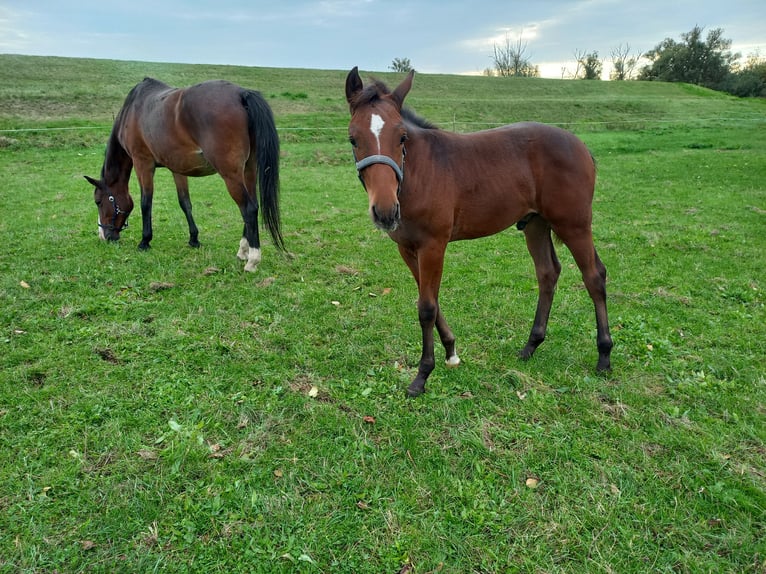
(165, 411)
(66, 92)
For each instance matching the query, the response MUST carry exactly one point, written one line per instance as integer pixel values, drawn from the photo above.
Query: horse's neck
(117, 163)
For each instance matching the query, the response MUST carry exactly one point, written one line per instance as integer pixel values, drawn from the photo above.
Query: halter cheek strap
(117, 211)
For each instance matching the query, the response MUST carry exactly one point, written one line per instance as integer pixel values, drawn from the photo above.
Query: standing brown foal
(427, 187)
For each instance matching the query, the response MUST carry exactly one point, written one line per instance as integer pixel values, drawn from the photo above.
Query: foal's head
(114, 206)
(377, 134)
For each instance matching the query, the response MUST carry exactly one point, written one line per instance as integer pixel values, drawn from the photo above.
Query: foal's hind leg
(594, 276)
(537, 232)
(182, 188)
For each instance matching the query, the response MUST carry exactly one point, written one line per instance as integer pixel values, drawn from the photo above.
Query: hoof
(194, 244)
(604, 367)
(251, 267)
(416, 389)
(244, 247)
(453, 361)
(143, 246)
(526, 353)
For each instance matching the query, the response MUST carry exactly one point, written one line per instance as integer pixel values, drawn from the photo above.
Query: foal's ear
(403, 89)
(353, 84)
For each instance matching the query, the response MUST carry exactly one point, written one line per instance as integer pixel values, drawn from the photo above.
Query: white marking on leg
(253, 259)
(453, 361)
(244, 246)
(376, 127)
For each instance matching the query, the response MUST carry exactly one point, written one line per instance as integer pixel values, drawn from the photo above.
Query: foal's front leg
(426, 266)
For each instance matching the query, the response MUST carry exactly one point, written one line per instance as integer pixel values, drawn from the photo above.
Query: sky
(437, 36)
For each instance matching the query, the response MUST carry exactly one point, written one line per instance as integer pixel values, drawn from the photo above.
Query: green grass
(165, 411)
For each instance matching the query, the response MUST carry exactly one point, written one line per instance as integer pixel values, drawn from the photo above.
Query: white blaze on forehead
(376, 126)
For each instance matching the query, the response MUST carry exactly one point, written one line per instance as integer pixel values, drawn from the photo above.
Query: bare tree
(511, 60)
(623, 63)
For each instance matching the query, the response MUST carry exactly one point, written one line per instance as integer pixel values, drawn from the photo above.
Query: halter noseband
(117, 211)
(385, 160)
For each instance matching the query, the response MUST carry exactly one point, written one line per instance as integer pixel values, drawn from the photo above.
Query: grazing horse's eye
(403, 139)
(352, 141)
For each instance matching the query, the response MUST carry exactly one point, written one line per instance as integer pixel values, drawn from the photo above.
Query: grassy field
(165, 411)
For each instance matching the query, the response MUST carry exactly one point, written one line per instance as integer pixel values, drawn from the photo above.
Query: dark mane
(413, 118)
(374, 92)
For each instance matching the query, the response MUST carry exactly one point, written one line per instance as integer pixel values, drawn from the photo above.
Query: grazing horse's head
(377, 134)
(114, 206)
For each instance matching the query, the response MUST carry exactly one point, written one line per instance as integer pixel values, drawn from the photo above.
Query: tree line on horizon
(695, 59)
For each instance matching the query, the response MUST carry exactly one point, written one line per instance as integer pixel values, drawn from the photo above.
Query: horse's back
(536, 142)
(502, 175)
(193, 131)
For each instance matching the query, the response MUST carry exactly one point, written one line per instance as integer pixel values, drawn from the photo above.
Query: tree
(623, 63)
(511, 60)
(748, 80)
(401, 65)
(705, 62)
(589, 66)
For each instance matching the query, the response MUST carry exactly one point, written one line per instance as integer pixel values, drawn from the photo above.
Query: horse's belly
(474, 221)
(200, 171)
(194, 165)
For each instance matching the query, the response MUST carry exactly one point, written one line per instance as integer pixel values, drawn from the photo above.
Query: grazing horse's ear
(403, 89)
(93, 182)
(353, 84)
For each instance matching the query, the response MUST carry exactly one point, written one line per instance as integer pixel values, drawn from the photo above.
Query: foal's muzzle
(385, 218)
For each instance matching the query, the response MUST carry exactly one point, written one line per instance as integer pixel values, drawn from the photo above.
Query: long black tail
(263, 135)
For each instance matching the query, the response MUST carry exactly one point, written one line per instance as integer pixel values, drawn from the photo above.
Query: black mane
(116, 159)
(374, 91)
(413, 118)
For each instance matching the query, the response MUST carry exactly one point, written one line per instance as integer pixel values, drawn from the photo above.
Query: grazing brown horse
(464, 186)
(212, 127)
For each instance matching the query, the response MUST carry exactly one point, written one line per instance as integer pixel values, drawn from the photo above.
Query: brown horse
(464, 186)
(212, 127)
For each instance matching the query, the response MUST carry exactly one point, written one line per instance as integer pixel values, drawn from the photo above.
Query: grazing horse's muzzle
(119, 221)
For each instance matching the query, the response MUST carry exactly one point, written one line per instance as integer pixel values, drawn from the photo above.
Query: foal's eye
(403, 139)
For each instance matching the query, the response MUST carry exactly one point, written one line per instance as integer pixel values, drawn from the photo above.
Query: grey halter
(385, 160)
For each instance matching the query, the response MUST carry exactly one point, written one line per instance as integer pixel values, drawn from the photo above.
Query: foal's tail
(263, 135)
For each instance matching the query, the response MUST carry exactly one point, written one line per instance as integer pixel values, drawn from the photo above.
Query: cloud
(526, 33)
(12, 38)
